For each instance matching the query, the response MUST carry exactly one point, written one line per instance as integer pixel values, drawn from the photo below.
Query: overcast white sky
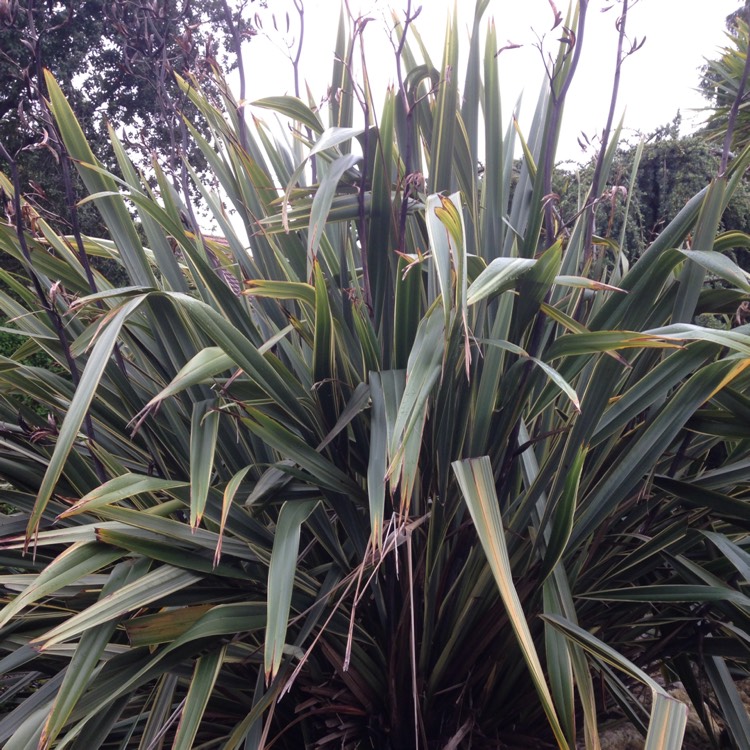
(656, 82)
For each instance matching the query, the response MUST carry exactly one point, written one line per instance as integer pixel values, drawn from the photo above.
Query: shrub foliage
(396, 461)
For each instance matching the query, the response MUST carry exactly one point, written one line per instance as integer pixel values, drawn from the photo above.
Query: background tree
(671, 169)
(116, 62)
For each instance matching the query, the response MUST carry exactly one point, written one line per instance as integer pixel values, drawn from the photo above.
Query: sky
(657, 81)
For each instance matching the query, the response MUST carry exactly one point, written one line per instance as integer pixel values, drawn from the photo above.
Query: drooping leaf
(478, 488)
(98, 361)
(281, 581)
(121, 488)
(148, 588)
(668, 715)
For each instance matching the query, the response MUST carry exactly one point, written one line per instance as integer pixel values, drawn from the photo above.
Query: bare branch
(595, 183)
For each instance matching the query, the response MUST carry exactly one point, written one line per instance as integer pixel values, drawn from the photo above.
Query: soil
(623, 736)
